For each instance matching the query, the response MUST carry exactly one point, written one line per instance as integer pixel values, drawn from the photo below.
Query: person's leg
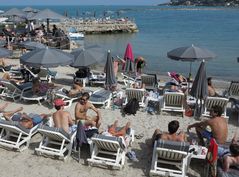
(199, 131)
(122, 131)
(112, 128)
(9, 114)
(2, 108)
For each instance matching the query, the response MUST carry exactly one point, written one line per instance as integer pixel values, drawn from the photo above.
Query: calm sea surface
(164, 28)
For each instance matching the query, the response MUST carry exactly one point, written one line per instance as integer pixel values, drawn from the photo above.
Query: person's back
(60, 119)
(219, 129)
(173, 137)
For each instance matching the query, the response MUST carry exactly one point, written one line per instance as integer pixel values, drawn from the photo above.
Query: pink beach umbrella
(129, 59)
(128, 55)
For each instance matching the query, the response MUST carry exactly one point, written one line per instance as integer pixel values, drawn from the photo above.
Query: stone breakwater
(100, 26)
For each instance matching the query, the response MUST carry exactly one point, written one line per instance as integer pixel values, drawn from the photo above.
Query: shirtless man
(218, 125)
(81, 112)
(62, 119)
(172, 134)
(76, 89)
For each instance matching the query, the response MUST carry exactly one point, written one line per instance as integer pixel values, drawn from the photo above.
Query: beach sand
(26, 163)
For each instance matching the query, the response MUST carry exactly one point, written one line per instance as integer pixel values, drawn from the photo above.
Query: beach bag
(131, 107)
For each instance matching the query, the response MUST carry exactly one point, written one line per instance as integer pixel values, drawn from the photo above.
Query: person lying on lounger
(171, 135)
(230, 157)
(77, 88)
(81, 109)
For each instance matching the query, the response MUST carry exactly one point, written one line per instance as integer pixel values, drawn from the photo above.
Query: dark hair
(57, 108)
(86, 94)
(173, 126)
(209, 81)
(35, 80)
(234, 149)
(217, 109)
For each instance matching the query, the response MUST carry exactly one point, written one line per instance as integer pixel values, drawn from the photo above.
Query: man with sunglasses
(81, 112)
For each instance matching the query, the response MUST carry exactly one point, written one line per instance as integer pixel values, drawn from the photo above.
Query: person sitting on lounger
(81, 109)
(62, 119)
(40, 88)
(217, 124)
(7, 76)
(171, 135)
(210, 87)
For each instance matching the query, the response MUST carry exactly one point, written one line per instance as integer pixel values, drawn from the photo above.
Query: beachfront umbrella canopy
(129, 59)
(46, 57)
(190, 54)
(5, 52)
(109, 70)
(31, 45)
(199, 89)
(88, 56)
(29, 9)
(15, 12)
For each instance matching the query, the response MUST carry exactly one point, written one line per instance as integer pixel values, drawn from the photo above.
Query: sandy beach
(26, 163)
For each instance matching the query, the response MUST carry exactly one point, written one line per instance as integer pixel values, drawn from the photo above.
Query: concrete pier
(100, 26)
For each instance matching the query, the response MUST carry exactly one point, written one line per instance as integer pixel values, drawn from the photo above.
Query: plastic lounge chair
(101, 97)
(170, 158)
(97, 78)
(15, 136)
(150, 81)
(12, 90)
(173, 101)
(135, 93)
(128, 81)
(29, 96)
(108, 151)
(55, 142)
(233, 91)
(219, 101)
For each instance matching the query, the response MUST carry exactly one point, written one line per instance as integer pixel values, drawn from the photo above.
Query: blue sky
(81, 2)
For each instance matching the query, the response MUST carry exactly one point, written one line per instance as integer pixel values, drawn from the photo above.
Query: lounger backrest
(135, 93)
(109, 143)
(174, 99)
(11, 86)
(100, 96)
(43, 73)
(234, 89)
(54, 133)
(219, 101)
(172, 150)
(149, 80)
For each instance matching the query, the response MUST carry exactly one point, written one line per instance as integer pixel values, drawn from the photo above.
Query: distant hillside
(205, 2)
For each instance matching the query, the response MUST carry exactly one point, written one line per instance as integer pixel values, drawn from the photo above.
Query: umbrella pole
(190, 72)
(48, 25)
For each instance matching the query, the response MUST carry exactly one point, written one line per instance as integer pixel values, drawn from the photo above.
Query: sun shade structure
(5, 52)
(31, 45)
(89, 55)
(109, 70)
(190, 54)
(14, 12)
(47, 57)
(129, 59)
(199, 89)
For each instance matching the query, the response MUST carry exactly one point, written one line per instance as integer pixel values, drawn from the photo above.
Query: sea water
(163, 28)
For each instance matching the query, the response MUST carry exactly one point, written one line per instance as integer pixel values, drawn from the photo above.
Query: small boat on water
(74, 35)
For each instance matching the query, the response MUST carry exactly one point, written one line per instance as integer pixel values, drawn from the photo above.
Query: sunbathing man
(217, 124)
(81, 109)
(232, 158)
(172, 134)
(62, 119)
(76, 89)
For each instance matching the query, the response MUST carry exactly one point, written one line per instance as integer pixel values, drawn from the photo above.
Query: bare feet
(127, 126)
(3, 107)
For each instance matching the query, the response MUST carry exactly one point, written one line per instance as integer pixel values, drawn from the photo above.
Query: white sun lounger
(101, 97)
(55, 142)
(15, 136)
(170, 158)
